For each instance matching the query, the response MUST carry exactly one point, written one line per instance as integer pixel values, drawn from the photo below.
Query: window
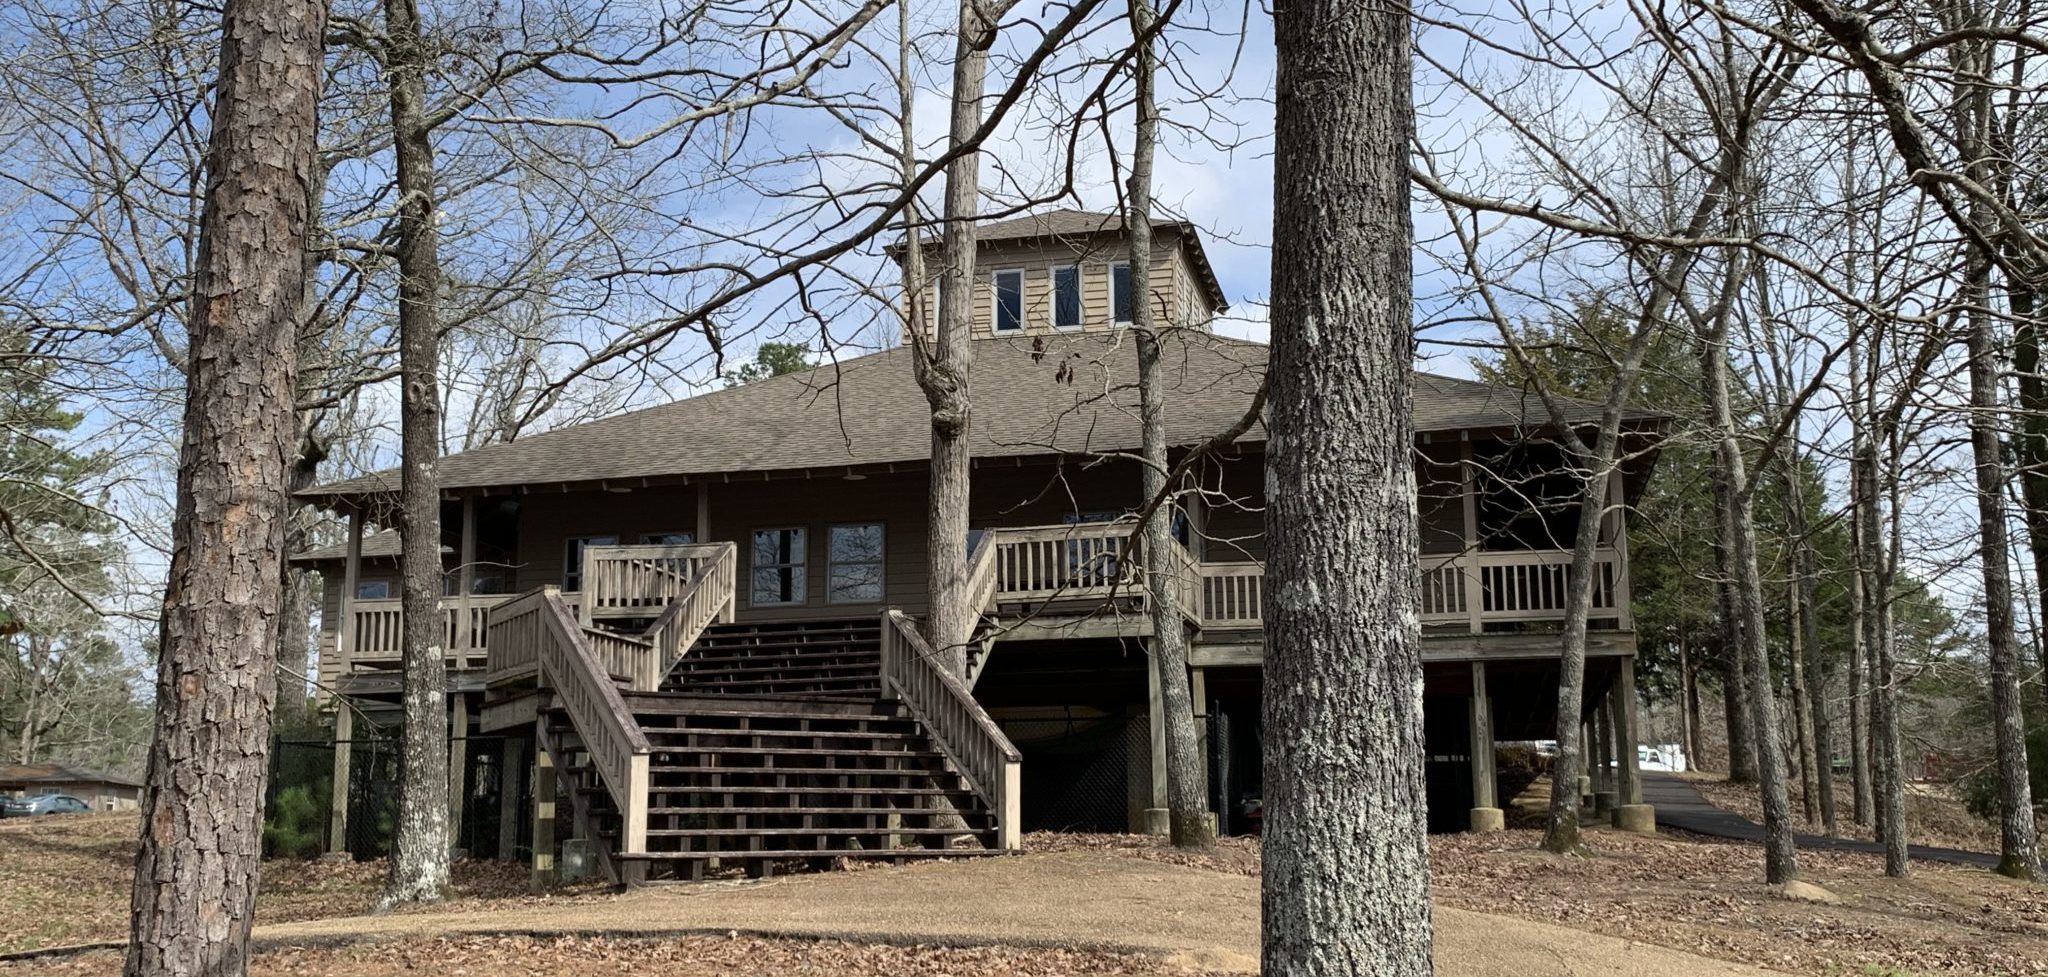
(572, 559)
(1122, 306)
(668, 539)
(373, 590)
(1009, 310)
(778, 567)
(854, 564)
(1066, 297)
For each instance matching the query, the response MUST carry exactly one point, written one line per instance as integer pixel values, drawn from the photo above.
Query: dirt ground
(1707, 896)
(1075, 905)
(1092, 904)
(65, 880)
(689, 956)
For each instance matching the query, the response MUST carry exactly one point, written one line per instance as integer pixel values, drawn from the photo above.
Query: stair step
(738, 634)
(773, 751)
(794, 771)
(786, 854)
(836, 832)
(837, 681)
(752, 653)
(802, 790)
(691, 703)
(660, 734)
(969, 814)
(869, 643)
(752, 666)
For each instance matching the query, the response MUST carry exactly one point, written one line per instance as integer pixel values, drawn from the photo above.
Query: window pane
(778, 546)
(1009, 301)
(1066, 285)
(856, 581)
(857, 544)
(778, 585)
(668, 539)
(373, 590)
(1120, 286)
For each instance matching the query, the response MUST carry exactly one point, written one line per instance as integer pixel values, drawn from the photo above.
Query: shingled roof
(1032, 396)
(17, 775)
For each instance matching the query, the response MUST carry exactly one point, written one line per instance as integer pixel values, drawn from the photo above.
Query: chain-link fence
(1077, 772)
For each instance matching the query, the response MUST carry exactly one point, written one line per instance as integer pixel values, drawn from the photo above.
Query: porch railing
(948, 711)
(377, 633)
(640, 581)
(1063, 562)
(1088, 561)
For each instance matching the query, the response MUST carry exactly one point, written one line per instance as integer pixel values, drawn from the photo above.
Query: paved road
(1680, 805)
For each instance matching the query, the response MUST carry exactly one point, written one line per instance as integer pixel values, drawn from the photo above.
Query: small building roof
(1033, 396)
(30, 774)
(380, 545)
(1069, 224)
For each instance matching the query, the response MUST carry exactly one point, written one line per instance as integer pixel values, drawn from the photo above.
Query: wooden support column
(465, 582)
(1630, 814)
(1617, 500)
(458, 764)
(1156, 821)
(1485, 792)
(509, 768)
(337, 817)
(1603, 734)
(544, 869)
(1468, 561)
(1198, 685)
(1628, 776)
(703, 534)
(351, 577)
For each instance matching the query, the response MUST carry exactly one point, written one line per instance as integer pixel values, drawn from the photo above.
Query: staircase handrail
(514, 631)
(981, 572)
(941, 703)
(616, 744)
(710, 596)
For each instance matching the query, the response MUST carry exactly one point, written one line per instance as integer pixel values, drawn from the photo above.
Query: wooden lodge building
(695, 624)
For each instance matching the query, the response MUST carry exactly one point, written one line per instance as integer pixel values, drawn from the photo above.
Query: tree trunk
(1187, 804)
(1742, 759)
(1859, 657)
(202, 827)
(1561, 831)
(2019, 856)
(1346, 874)
(944, 374)
(2030, 444)
(1802, 723)
(420, 842)
(295, 608)
(1815, 666)
(1738, 523)
(1889, 793)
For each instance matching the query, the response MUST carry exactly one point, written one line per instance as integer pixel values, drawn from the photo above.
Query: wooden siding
(1173, 284)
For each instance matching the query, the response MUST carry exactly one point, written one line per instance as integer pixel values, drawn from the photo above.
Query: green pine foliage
(68, 694)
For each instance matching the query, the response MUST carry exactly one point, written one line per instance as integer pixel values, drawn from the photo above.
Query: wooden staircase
(694, 744)
(758, 783)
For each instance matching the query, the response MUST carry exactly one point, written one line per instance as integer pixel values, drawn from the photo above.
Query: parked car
(24, 807)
